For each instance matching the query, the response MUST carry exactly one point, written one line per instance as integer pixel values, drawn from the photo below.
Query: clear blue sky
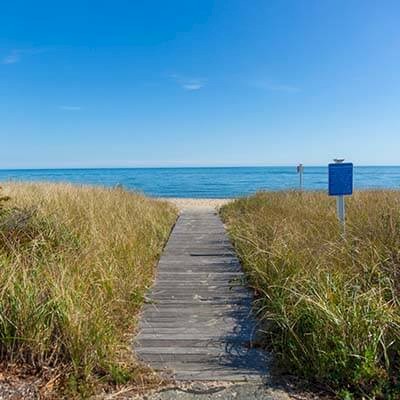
(199, 82)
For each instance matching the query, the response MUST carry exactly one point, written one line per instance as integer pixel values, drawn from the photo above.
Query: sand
(197, 204)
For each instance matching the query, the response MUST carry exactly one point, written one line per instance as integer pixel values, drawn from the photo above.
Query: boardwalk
(197, 324)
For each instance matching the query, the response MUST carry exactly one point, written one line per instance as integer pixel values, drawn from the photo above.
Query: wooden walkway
(197, 324)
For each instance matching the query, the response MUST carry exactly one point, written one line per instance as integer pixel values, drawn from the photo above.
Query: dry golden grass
(330, 304)
(75, 263)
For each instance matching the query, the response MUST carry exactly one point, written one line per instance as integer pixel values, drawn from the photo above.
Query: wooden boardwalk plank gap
(197, 323)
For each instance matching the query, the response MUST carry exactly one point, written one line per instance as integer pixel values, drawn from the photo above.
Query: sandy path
(190, 204)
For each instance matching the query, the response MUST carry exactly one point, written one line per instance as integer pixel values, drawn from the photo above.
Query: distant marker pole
(340, 184)
(300, 170)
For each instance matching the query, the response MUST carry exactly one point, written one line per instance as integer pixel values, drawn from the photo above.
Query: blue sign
(340, 179)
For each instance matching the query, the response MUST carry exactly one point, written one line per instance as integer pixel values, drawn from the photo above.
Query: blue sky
(157, 83)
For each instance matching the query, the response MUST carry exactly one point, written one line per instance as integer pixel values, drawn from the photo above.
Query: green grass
(329, 305)
(75, 263)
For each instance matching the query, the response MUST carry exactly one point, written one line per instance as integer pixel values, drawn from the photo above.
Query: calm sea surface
(207, 182)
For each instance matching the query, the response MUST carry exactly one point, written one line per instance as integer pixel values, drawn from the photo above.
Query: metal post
(340, 204)
(341, 211)
(300, 169)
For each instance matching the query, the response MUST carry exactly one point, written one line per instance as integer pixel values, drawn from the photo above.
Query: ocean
(216, 182)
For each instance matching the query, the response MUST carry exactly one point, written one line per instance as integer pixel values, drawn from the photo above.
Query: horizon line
(186, 167)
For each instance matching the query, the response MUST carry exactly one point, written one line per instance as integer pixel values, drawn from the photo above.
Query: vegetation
(75, 263)
(330, 304)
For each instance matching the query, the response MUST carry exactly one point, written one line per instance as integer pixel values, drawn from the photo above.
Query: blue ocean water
(207, 182)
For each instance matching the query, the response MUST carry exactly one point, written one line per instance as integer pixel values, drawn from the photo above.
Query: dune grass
(329, 305)
(75, 263)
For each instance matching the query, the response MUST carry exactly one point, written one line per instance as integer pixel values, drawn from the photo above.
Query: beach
(198, 204)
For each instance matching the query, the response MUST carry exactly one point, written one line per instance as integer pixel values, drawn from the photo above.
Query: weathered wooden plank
(186, 321)
(188, 342)
(200, 295)
(200, 275)
(184, 325)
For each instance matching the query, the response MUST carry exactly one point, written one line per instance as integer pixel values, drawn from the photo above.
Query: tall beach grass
(329, 305)
(74, 265)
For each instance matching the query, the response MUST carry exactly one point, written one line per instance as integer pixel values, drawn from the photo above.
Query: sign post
(340, 185)
(341, 210)
(300, 170)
